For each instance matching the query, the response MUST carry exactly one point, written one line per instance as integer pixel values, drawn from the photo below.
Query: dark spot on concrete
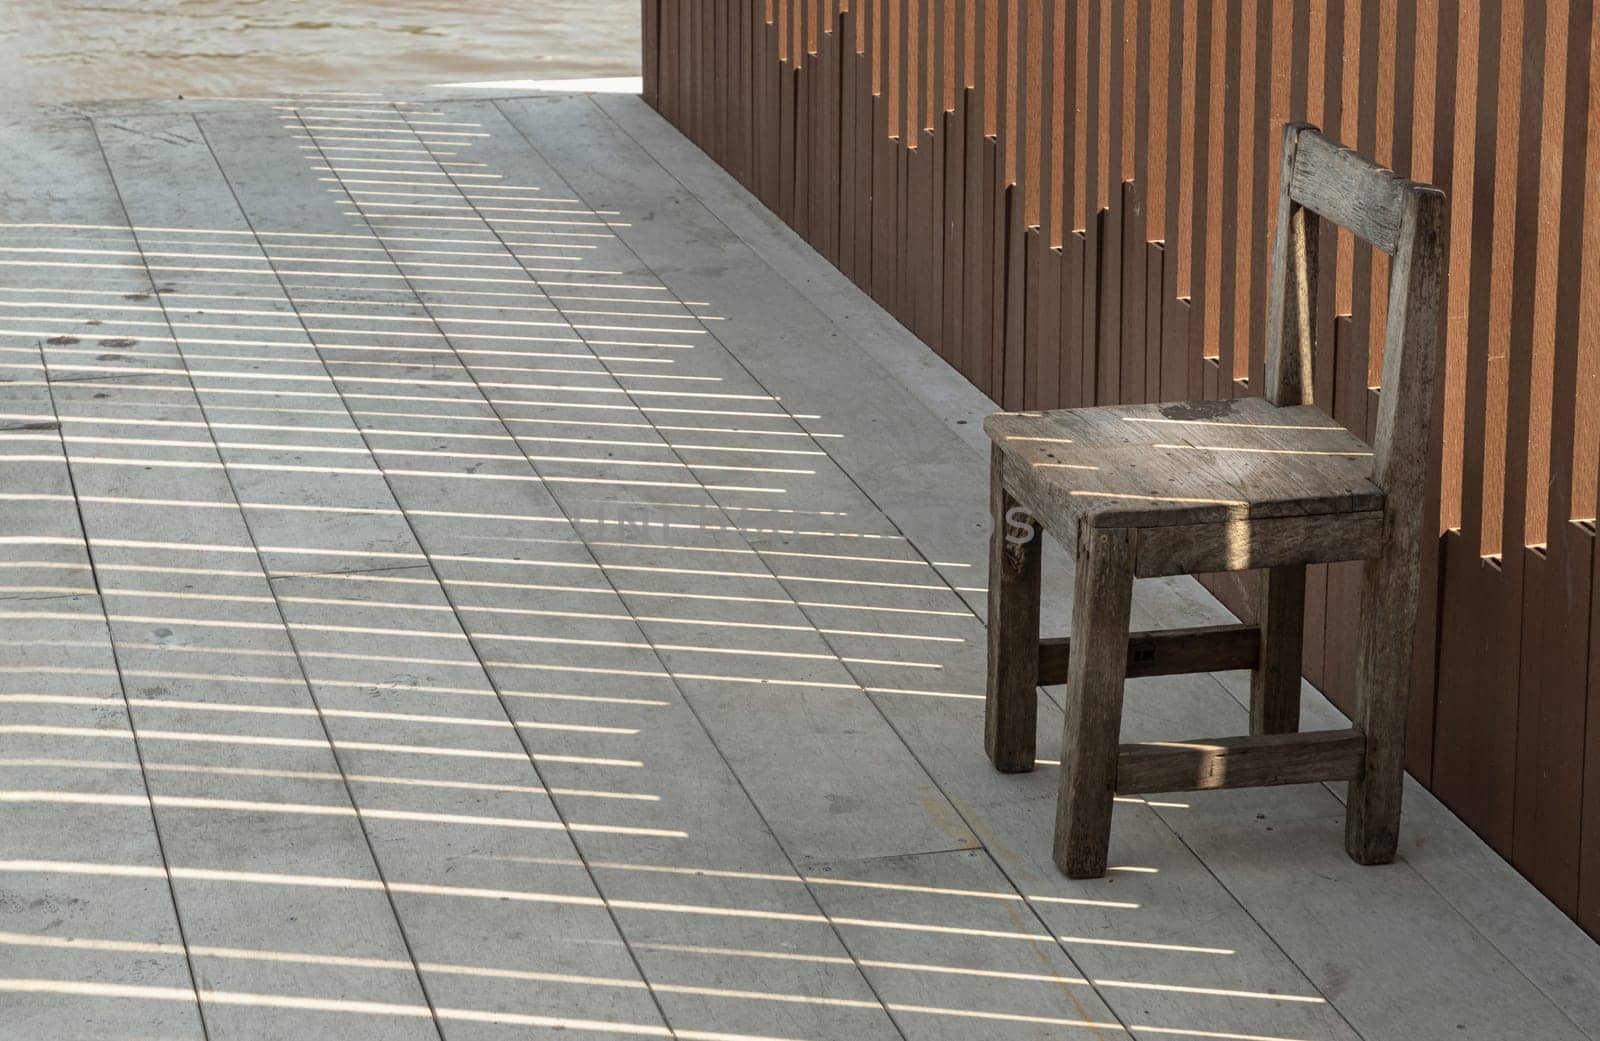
(135, 296)
(111, 357)
(47, 425)
(94, 321)
(62, 341)
(1198, 410)
(102, 394)
(118, 341)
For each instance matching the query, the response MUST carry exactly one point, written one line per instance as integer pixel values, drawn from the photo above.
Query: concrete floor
(470, 573)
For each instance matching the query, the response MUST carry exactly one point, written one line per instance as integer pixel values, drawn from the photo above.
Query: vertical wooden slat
(1230, 263)
(1135, 164)
(684, 26)
(920, 179)
(1209, 171)
(845, 194)
(1524, 444)
(1584, 477)
(1046, 366)
(1424, 49)
(650, 50)
(765, 73)
(834, 168)
(955, 253)
(1156, 61)
(1462, 154)
(1074, 250)
(883, 152)
(975, 204)
(1271, 60)
(803, 159)
(997, 196)
(720, 70)
(1069, 373)
(1113, 97)
(815, 74)
(1179, 201)
(751, 66)
(865, 143)
(666, 58)
(994, 197)
(691, 63)
(1476, 720)
(1090, 53)
(935, 143)
(953, 130)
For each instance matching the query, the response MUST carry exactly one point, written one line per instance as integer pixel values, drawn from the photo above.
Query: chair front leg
(1102, 598)
(1011, 710)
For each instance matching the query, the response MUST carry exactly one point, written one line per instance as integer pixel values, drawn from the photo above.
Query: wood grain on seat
(1214, 462)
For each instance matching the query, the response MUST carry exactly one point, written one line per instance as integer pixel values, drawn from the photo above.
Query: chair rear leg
(1383, 689)
(1011, 709)
(1275, 682)
(1102, 597)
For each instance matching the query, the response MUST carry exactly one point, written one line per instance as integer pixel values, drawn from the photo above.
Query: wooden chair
(1255, 483)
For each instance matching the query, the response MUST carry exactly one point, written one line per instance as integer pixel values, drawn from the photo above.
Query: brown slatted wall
(1070, 200)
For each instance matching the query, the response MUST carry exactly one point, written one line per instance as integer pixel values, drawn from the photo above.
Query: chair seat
(1210, 485)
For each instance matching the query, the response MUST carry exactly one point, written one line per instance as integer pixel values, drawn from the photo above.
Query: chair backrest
(1406, 220)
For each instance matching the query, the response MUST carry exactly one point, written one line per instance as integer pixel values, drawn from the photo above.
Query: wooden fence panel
(1070, 201)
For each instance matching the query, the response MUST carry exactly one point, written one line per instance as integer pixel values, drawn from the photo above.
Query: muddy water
(81, 50)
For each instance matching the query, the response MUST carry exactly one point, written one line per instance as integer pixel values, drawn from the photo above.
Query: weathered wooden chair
(1256, 483)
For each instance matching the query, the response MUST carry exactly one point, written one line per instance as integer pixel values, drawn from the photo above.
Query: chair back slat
(1348, 189)
(1404, 219)
(1291, 289)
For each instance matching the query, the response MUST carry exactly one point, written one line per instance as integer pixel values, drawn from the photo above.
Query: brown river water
(88, 50)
